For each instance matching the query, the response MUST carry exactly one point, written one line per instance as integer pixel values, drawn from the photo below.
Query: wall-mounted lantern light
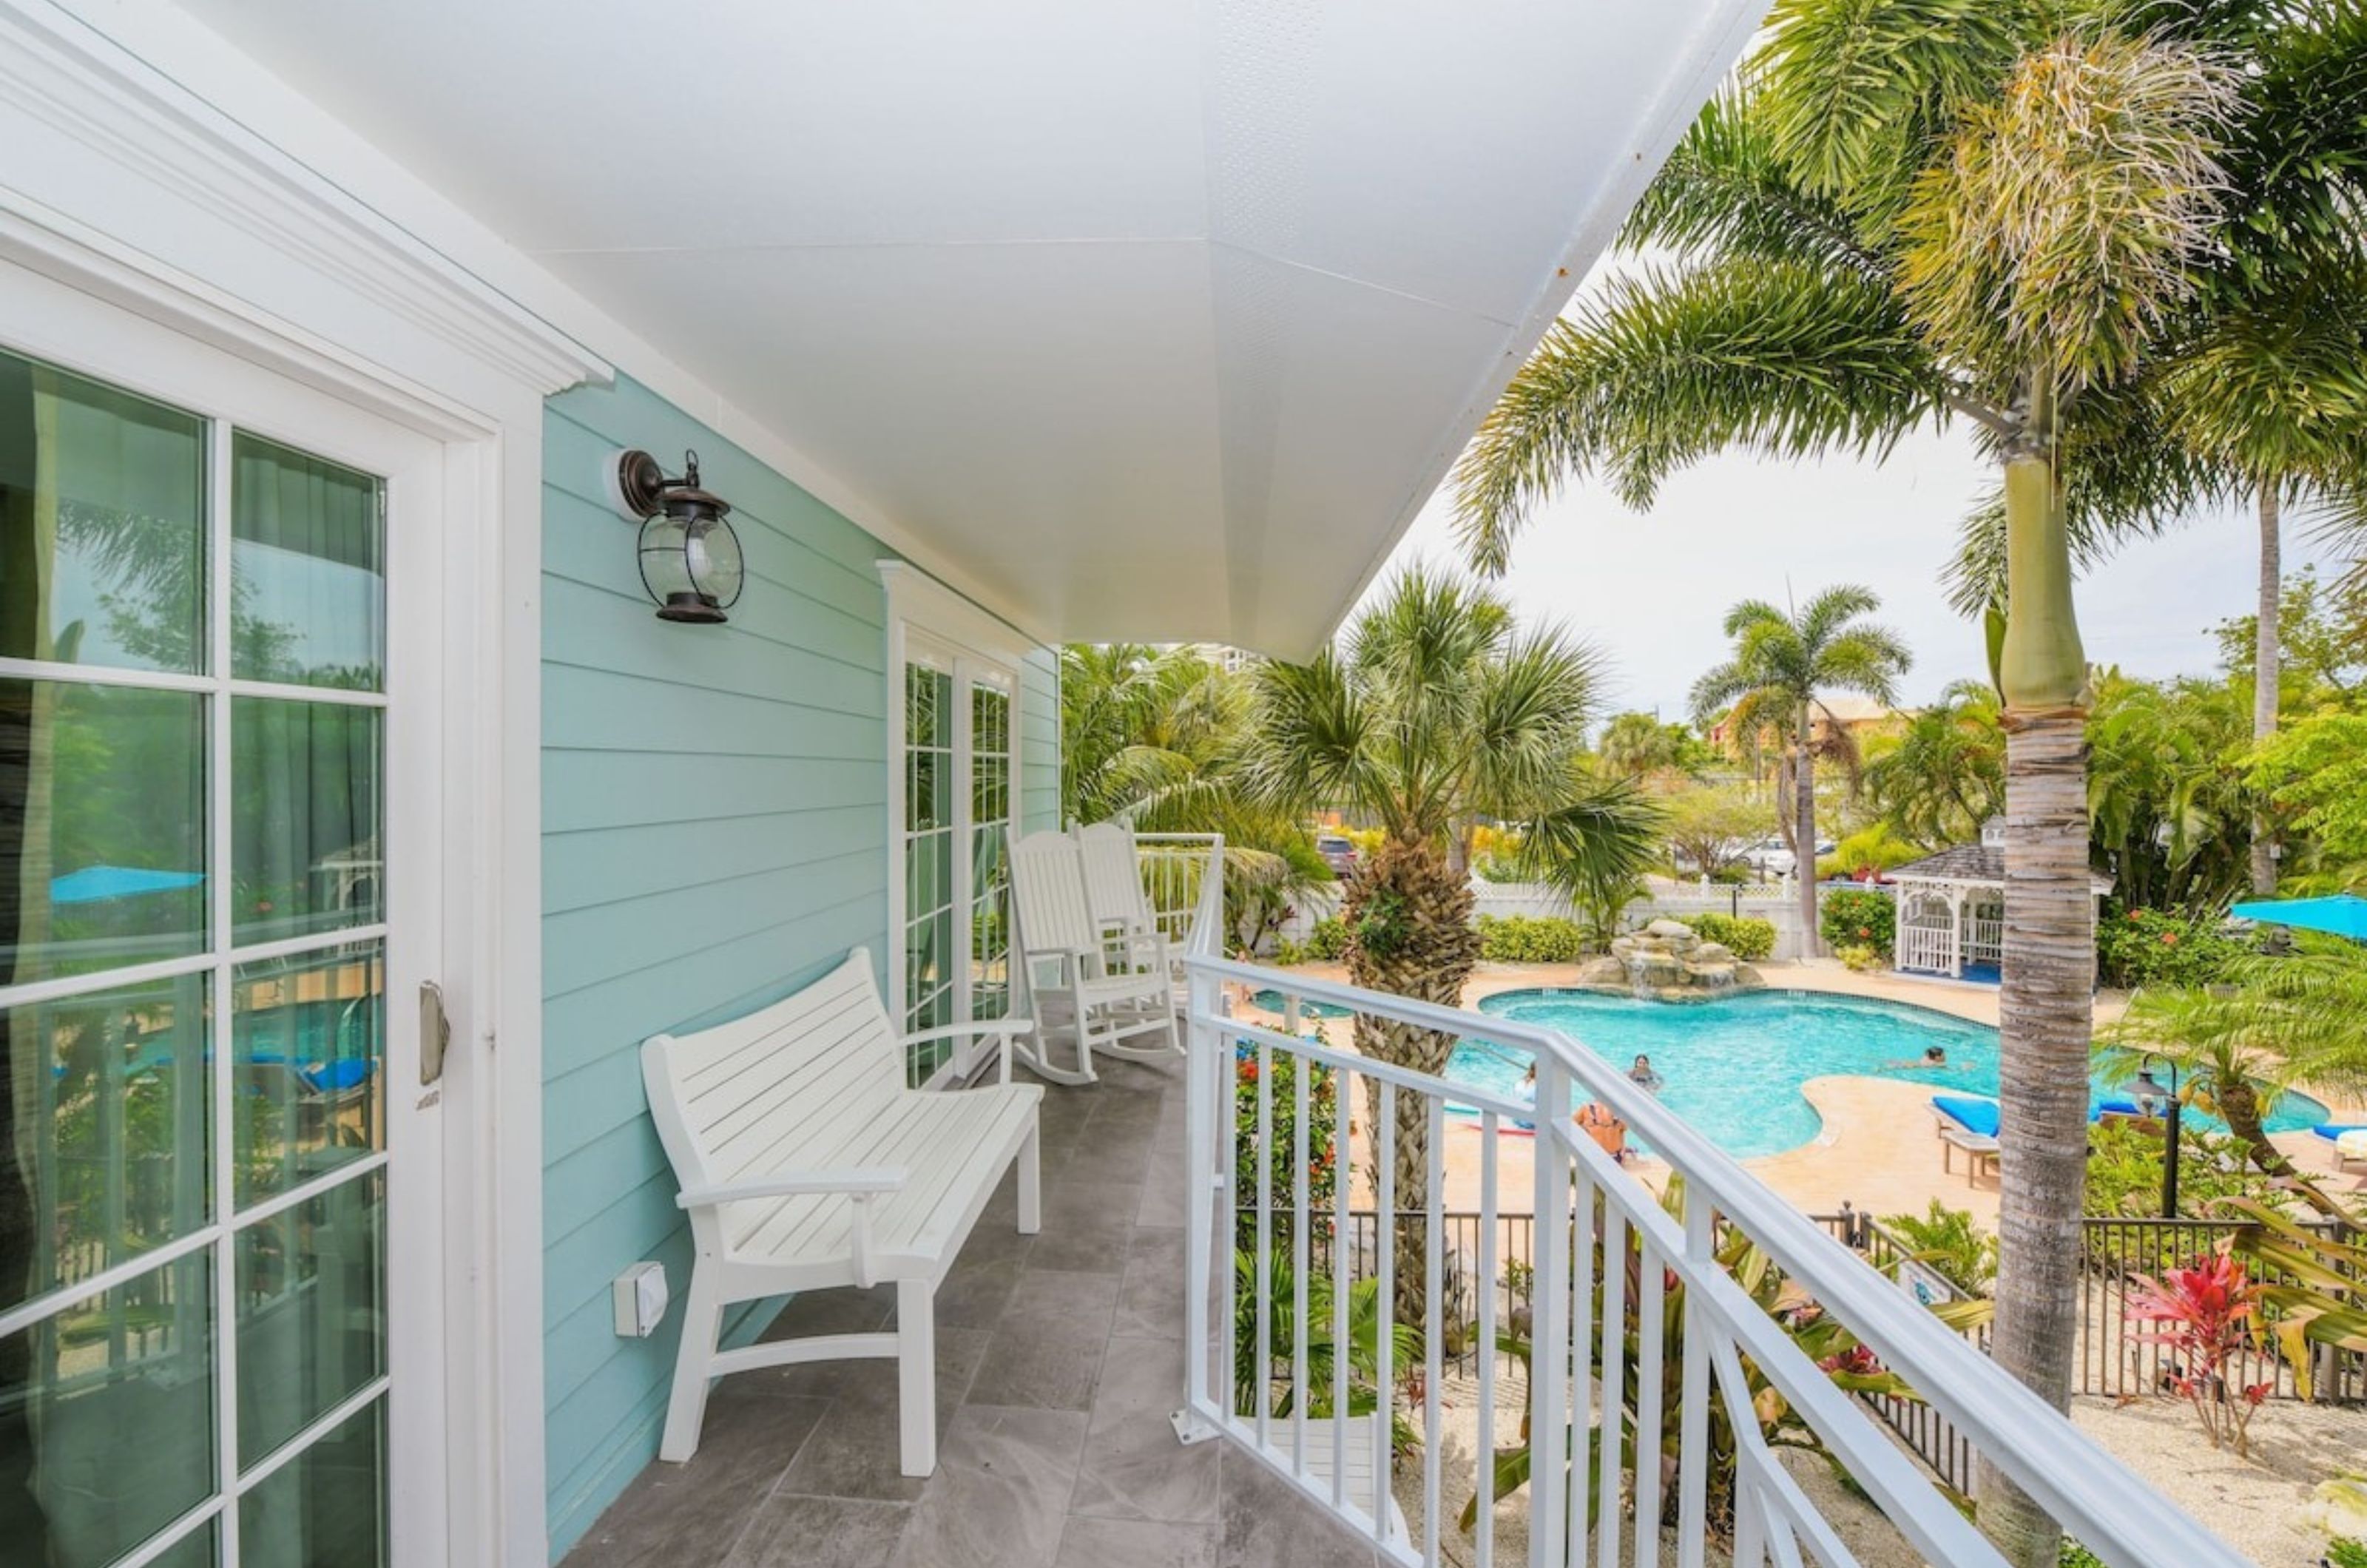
(690, 556)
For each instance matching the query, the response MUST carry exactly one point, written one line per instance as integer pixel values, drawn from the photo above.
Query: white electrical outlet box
(640, 1296)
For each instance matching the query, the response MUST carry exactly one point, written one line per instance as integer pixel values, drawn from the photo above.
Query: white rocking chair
(1105, 1005)
(1120, 907)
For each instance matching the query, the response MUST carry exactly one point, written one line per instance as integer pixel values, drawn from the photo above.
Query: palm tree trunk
(2049, 964)
(1804, 836)
(2267, 660)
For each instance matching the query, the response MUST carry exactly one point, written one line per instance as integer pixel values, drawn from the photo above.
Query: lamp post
(2150, 1095)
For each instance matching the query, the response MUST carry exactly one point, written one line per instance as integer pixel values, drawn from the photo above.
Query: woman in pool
(1642, 1075)
(1933, 1057)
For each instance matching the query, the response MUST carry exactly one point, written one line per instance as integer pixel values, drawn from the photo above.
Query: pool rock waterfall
(1667, 960)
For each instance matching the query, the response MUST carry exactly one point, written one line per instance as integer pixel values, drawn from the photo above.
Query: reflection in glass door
(193, 1115)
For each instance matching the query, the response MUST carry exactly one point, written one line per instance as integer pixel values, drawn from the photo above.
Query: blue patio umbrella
(2343, 914)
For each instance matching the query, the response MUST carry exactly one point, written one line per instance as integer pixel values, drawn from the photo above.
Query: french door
(219, 1189)
(955, 828)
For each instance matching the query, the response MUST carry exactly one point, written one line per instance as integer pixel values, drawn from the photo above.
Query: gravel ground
(2253, 1505)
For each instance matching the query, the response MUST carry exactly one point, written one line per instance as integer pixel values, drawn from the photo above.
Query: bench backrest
(782, 1085)
(1047, 891)
(1113, 877)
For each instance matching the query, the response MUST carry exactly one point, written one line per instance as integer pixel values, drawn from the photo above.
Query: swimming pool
(1733, 1067)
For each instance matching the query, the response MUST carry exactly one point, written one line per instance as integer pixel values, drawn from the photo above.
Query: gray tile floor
(1059, 1356)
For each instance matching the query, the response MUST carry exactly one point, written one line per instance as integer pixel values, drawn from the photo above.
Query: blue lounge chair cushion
(2116, 1108)
(1978, 1116)
(2331, 1131)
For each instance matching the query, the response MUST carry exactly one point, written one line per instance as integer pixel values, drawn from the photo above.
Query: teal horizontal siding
(714, 837)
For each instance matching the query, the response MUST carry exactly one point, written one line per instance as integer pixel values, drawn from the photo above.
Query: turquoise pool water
(1734, 1067)
(1272, 1001)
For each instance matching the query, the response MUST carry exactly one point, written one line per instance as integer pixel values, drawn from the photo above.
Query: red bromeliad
(2210, 1317)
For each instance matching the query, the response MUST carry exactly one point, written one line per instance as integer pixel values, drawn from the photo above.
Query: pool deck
(1878, 1150)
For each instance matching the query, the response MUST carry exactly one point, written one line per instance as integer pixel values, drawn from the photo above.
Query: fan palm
(1909, 213)
(1781, 663)
(1435, 709)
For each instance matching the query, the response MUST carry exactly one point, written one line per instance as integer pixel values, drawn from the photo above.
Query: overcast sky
(1650, 589)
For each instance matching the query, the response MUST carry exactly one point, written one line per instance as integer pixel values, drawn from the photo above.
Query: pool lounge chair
(1970, 1125)
(2349, 1141)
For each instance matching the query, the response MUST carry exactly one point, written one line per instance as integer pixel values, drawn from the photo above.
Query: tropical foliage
(2275, 1023)
(1530, 939)
(1852, 919)
(2208, 1317)
(1944, 776)
(1710, 826)
(2156, 948)
(1952, 1244)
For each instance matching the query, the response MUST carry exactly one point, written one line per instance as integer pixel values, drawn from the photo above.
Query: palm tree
(1944, 776)
(2283, 1022)
(1910, 213)
(1435, 709)
(1781, 663)
(1636, 745)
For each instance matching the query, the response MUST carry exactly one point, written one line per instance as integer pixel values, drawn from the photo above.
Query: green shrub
(1530, 939)
(2124, 1171)
(2151, 947)
(1859, 959)
(1322, 1122)
(1289, 953)
(1849, 917)
(1328, 940)
(1748, 938)
(1952, 1244)
(1734, 874)
(2344, 1552)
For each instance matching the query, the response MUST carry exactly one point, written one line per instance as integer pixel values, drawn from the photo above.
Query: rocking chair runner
(1105, 1005)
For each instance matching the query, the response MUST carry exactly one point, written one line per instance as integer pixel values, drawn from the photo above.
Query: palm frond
(1663, 369)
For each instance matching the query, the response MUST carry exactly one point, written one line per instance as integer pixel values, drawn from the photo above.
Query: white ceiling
(1160, 319)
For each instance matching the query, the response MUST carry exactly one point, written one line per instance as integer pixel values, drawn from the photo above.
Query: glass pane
(308, 569)
(109, 1128)
(102, 827)
(195, 1549)
(107, 1425)
(309, 1048)
(304, 830)
(312, 1311)
(326, 1507)
(102, 523)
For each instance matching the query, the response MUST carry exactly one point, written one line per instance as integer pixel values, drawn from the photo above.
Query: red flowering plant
(2207, 1317)
(1280, 1088)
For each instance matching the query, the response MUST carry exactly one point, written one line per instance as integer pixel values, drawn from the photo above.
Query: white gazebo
(1952, 907)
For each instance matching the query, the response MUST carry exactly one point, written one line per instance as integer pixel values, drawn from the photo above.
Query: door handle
(435, 1033)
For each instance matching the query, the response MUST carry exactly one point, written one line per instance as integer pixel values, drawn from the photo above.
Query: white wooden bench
(804, 1163)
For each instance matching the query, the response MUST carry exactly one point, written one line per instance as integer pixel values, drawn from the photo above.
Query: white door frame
(928, 618)
(77, 302)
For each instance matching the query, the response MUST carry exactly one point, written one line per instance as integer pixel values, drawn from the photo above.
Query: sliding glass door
(199, 1114)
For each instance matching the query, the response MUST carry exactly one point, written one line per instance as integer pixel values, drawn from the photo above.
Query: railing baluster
(1652, 1305)
(1582, 1336)
(1343, 1279)
(1200, 1089)
(1227, 1069)
(1301, 1099)
(1693, 1417)
(1614, 1356)
(1264, 1370)
(1484, 1527)
(1549, 1331)
(1433, 1368)
(1384, 1245)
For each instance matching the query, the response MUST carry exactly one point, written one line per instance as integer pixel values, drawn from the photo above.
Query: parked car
(1768, 857)
(1338, 850)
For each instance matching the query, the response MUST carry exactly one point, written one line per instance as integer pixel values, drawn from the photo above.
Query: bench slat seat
(806, 1162)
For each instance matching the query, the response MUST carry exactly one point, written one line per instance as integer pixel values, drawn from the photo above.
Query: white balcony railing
(1183, 875)
(1601, 1328)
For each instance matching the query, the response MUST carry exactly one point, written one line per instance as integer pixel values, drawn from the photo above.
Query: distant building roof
(1971, 864)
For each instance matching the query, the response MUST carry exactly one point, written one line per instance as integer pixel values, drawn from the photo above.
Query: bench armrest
(862, 1182)
(1004, 1028)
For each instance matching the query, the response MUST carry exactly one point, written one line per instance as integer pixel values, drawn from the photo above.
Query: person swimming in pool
(1934, 1056)
(1642, 1075)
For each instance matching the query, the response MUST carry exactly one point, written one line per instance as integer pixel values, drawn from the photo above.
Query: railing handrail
(1208, 914)
(2092, 1494)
